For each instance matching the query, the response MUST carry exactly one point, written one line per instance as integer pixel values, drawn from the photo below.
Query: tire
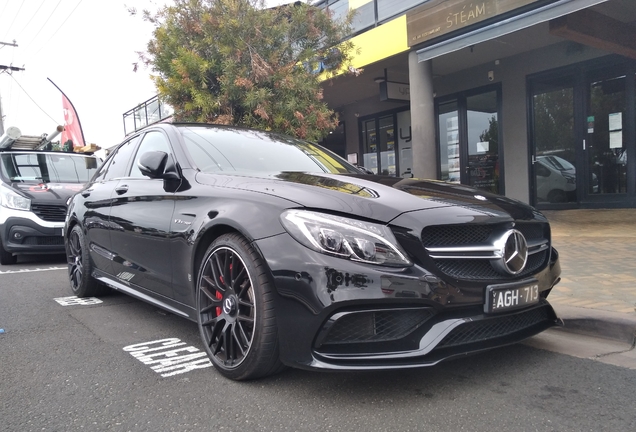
(7, 258)
(237, 320)
(79, 266)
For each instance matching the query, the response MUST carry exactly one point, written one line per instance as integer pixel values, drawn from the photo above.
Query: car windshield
(47, 167)
(215, 149)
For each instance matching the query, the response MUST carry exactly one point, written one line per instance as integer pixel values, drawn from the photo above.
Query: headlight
(13, 200)
(344, 237)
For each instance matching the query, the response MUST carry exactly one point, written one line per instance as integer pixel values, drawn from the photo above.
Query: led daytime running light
(344, 237)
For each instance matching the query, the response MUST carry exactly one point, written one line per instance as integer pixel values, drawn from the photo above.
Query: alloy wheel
(74, 259)
(227, 307)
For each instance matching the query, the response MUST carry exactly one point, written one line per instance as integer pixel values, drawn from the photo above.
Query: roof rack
(13, 139)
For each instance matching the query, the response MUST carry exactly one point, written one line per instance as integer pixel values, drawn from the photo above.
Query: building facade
(533, 99)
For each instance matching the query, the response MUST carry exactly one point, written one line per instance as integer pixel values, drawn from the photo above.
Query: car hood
(380, 198)
(47, 193)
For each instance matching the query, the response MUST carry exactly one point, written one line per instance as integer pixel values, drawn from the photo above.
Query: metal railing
(151, 111)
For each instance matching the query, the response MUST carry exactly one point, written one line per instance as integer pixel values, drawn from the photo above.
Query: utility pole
(11, 68)
(2, 69)
(1, 120)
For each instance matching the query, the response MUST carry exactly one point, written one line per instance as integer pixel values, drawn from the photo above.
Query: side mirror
(157, 164)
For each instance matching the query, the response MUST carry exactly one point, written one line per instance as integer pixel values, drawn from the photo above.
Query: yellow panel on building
(355, 4)
(379, 43)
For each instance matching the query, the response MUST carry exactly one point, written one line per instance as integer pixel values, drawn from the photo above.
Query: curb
(593, 322)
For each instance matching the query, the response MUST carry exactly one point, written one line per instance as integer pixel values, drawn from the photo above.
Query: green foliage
(233, 62)
(491, 135)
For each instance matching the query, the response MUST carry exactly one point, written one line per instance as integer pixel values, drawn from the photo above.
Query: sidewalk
(597, 250)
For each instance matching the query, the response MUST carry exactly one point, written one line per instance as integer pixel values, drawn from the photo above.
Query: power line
(14, 18)
(32, 16)
(5, 6)
(58, 29)
(36, 104)
(43, 25)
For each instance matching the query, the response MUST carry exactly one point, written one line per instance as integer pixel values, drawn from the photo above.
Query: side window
(152, 141)
(119, 161)
(101, 172)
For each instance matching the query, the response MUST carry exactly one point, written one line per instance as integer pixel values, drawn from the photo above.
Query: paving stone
(597, 250)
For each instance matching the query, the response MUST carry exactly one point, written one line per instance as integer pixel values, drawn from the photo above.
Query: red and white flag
(72, 126)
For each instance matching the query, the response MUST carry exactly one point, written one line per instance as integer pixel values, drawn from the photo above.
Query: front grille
(480, 269)
(454, 235)
(376, 326)
(467, 237)
(490, 328)
(532, 231)
(467, 234)
(50, 213)
(44, 241)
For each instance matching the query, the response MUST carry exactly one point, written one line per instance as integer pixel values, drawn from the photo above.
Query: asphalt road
(90, 367)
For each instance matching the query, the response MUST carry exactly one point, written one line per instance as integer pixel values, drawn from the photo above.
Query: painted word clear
(169, 357)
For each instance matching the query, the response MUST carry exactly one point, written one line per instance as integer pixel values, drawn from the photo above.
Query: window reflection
(554, 139)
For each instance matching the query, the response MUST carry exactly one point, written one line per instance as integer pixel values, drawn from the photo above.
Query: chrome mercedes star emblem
(228, 305)
(512, 252)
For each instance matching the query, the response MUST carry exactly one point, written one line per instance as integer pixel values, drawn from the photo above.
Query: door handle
(121, 189)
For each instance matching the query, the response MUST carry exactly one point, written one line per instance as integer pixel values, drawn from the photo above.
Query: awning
(509, 25)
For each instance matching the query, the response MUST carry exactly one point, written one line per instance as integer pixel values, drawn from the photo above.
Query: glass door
(469, 139)
(606, 137)
(370, 145)
(554, 155)
(483, 141)
(448, 125)
(583, 125)
(380, 142)
(387, 145)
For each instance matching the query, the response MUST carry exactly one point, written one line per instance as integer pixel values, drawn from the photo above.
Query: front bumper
(341, 315)
(23, 232)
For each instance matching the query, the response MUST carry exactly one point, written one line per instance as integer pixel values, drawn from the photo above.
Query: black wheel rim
(74, 257)
(226, 307)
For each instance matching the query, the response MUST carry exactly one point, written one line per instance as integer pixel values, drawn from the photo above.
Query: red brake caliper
(218, 295)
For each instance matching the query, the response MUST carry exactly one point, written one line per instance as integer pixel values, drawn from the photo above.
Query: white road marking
(165, 358)
(38, 269)
(74, 301)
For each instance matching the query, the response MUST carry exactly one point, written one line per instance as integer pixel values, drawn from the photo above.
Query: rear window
(48, 167)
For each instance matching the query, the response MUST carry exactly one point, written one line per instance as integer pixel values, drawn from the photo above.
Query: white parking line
(74, 301)
(27, 270)
(175, 360)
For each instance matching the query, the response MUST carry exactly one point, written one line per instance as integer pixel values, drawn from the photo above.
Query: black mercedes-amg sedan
(287, 255)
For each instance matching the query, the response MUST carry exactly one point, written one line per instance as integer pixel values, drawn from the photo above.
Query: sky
(87, 47)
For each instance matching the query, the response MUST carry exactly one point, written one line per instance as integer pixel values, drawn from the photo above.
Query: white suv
(34, 188)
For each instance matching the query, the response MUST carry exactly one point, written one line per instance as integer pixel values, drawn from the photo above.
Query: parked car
(34, 188)
(556, 179)
(287, 255)
(554, 182)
